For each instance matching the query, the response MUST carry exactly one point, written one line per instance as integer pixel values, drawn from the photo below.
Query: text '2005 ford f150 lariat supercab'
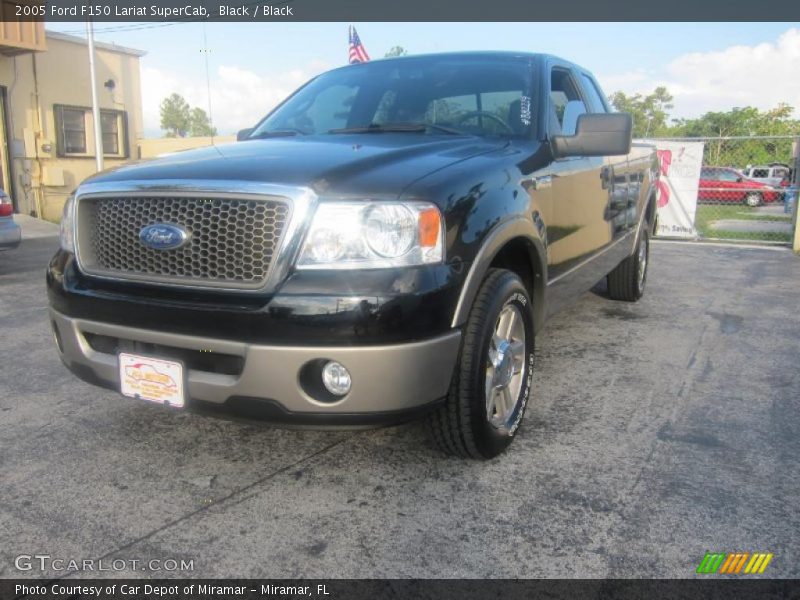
(385, 244)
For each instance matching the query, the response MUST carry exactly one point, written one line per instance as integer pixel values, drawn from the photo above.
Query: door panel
(581, 186)
(582, 219)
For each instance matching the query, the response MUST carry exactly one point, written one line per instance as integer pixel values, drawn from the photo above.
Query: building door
(5, 161)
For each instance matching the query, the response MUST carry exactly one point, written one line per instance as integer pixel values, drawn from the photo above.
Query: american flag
(358, 53)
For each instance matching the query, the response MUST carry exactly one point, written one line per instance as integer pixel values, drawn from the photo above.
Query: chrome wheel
(505, 368)
(753, 200)
(642, 263)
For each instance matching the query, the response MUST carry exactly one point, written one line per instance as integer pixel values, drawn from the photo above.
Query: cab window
(566, 103)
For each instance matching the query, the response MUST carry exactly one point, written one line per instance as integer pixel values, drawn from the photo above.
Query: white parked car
(771, 175)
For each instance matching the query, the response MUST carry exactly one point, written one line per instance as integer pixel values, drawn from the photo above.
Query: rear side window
(593, 95)
(760, 173)
(780, 172)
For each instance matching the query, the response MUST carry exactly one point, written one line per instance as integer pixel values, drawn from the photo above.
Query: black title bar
(397, 10)
(372, 589)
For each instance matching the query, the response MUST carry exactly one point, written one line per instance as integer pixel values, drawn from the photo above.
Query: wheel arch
(513, 245)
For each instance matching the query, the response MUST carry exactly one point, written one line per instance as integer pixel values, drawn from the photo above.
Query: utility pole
(98, 133)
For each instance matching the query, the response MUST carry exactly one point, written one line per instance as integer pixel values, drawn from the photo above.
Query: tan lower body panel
(384, 378)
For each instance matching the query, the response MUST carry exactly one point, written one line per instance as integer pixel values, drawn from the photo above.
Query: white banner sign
(677, 187)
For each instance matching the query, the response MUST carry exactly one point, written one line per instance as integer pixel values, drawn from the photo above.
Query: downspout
(37, 191)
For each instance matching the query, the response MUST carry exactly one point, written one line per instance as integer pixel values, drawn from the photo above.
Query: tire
(753, 199)
(469, 424)
(627, 281)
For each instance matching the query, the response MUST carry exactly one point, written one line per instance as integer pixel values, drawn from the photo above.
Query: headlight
(67, 228)
(373, 235)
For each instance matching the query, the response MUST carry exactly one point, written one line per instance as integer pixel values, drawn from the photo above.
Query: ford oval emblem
(163, 236)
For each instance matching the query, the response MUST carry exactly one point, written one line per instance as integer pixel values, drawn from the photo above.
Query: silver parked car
(10, 232)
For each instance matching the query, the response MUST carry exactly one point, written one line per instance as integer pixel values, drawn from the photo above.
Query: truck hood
(375, 163)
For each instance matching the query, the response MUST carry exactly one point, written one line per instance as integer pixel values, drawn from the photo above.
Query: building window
(75, 133)
(73, 130)
(109, 122)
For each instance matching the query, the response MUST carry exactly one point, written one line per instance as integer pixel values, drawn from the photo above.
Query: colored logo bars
(743, 563)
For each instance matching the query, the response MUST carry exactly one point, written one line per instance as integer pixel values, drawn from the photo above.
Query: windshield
(472, 96)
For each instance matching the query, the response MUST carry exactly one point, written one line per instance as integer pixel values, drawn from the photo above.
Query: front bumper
(10, 233)
(390, 382)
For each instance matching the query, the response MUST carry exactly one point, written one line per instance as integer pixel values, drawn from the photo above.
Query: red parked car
(724, 184)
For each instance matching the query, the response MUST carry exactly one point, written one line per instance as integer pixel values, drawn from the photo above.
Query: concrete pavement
(656, 432)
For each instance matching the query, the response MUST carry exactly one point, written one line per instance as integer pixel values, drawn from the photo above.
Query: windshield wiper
(397, 127)
(276, 133)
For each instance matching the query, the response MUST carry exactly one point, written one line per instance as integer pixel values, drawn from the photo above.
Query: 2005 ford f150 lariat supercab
(385, 244)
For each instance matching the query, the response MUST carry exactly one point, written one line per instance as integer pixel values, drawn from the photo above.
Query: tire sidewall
(644, 238)
(489, 440)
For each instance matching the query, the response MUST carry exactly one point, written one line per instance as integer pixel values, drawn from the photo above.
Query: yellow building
(46, 127)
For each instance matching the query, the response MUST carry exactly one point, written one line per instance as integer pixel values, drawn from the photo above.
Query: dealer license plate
(152, 379)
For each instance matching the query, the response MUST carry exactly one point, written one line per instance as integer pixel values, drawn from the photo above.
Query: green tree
(175, 116)
(742, 122)
(396, 51)
(650, 113)
(179, 119)
(200, 124)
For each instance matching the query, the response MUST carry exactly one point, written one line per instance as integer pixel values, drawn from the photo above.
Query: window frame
(61, 132)
(91, 150)
(590, 85)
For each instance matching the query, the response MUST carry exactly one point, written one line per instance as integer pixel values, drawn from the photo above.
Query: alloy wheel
(505, 368)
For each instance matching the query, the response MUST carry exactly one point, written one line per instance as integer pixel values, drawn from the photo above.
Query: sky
(252, 66)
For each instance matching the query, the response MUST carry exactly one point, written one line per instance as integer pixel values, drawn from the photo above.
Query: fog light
(336, 378)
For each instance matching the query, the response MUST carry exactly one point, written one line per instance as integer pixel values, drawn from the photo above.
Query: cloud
(156, 85)
(762, 75)
(629, 80)
(239, 97)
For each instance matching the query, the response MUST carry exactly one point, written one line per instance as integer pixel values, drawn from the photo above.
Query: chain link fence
(747, 189)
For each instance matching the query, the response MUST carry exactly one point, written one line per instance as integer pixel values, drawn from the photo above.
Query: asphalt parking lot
(657, 432)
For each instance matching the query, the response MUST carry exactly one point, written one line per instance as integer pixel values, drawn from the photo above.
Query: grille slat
(232, 240)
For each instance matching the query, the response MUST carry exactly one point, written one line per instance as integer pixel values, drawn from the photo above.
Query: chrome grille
(233, 240)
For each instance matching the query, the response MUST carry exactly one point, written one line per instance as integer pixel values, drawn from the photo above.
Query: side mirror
(244, 134)
(596, 134)
(739, 179)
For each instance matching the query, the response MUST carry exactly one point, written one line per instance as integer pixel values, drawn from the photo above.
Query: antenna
(206, 52)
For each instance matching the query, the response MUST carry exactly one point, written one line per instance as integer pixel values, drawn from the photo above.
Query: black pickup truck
(385, 244)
